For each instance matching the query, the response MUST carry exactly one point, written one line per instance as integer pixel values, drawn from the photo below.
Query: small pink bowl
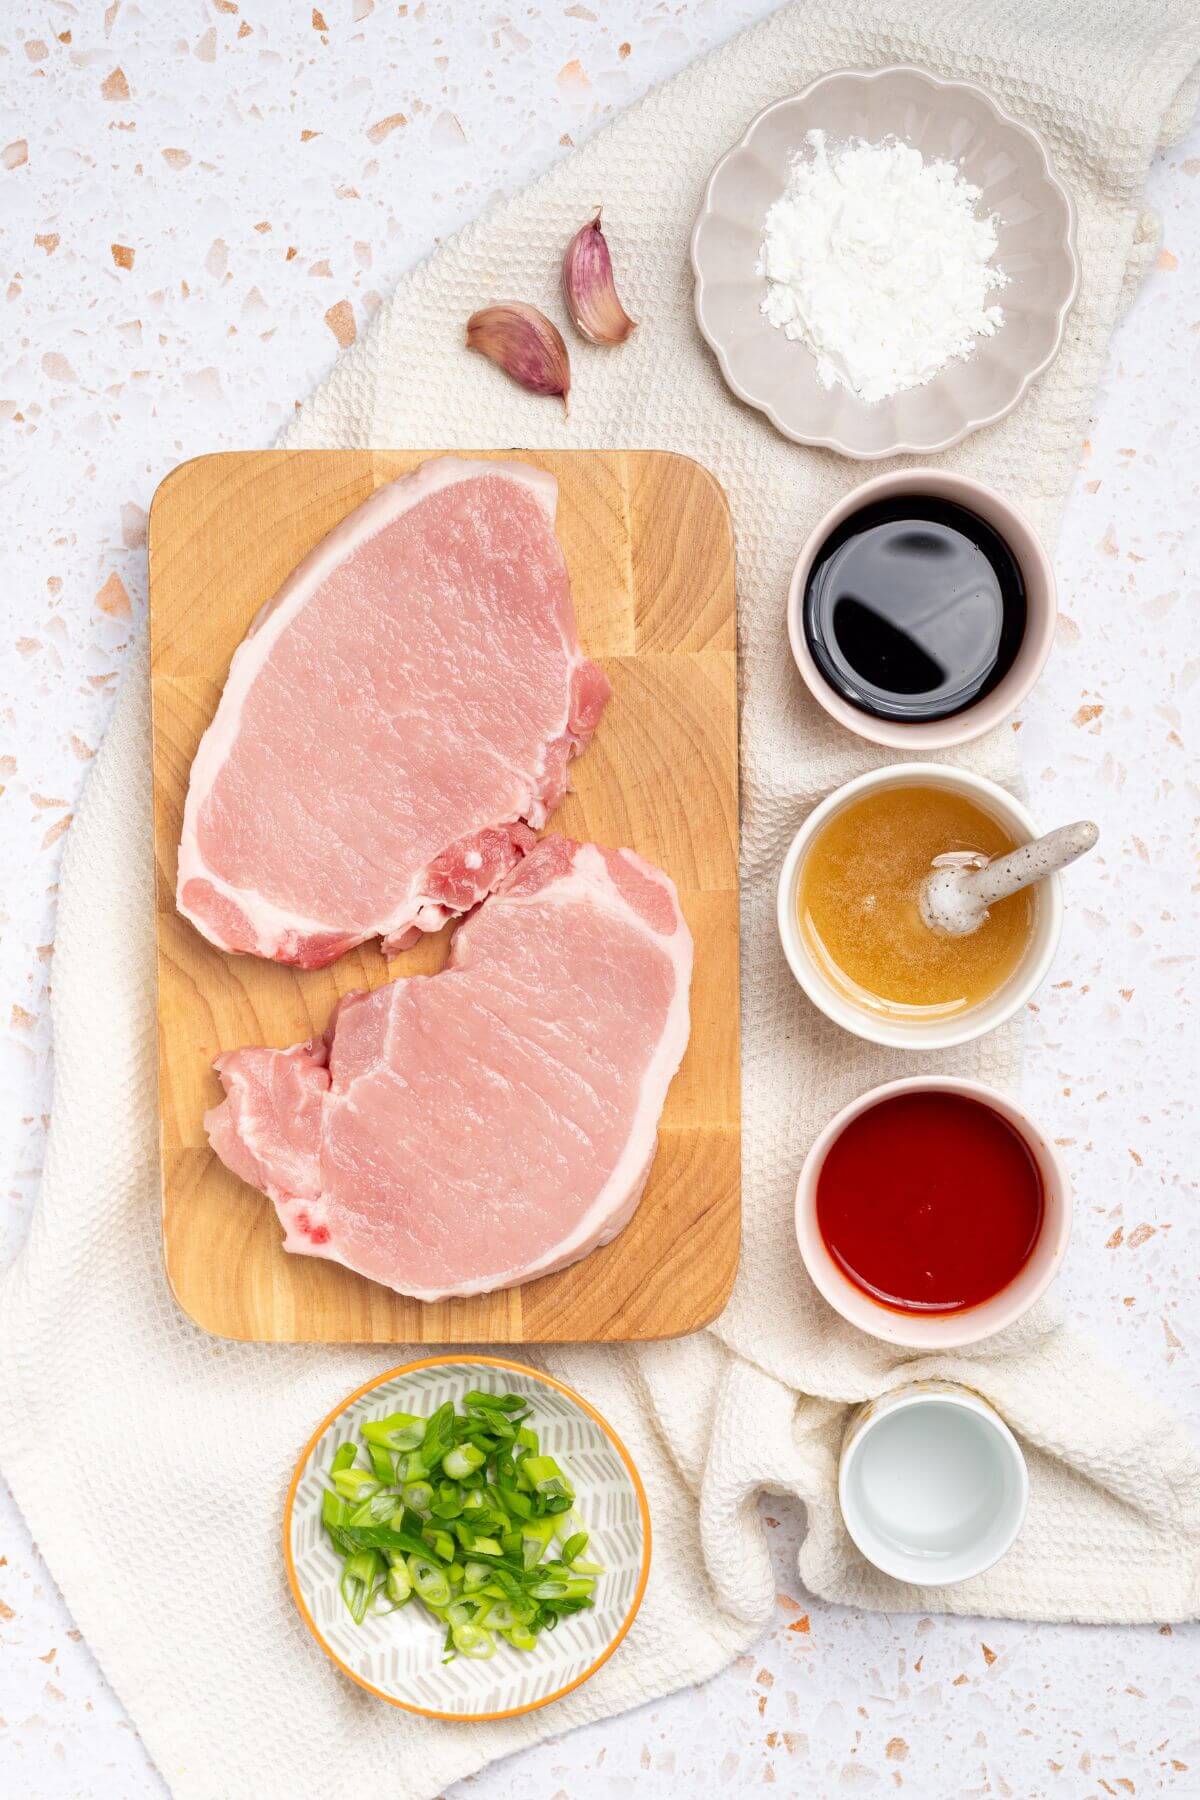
(937, 1331)
(1040, 599)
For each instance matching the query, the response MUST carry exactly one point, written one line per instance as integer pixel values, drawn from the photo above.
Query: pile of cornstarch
(877, 261)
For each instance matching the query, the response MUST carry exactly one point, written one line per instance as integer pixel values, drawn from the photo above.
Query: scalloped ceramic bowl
(1005, 159)
(398, 1656)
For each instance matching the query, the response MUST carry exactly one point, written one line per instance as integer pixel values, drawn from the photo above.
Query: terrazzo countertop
(199, 205)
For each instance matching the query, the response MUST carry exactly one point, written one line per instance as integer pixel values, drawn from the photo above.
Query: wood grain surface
(648, 545)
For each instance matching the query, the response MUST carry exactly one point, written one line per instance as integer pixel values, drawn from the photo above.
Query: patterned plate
(398, 1656)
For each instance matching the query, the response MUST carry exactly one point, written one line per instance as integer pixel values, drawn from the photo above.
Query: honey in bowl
(930, 1202)
(860, 913)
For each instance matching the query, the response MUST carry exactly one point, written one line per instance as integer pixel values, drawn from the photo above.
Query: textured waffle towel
(230, 1695)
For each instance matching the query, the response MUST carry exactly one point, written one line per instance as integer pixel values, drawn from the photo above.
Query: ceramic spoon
(956, 896)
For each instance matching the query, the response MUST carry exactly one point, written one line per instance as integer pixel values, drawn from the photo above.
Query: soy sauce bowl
(937, 1330)
(1041, 605)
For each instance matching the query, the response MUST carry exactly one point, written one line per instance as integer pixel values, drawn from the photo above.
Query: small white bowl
(899, 1032)
(932, 1484)
(937, 1331)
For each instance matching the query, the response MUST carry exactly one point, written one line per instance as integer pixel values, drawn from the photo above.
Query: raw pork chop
(395, 720)
(470, 1130)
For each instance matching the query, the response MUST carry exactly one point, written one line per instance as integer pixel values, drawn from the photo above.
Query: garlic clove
(525, 344)
(591, 292)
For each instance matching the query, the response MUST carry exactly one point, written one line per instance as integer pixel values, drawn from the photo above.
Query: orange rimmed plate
(398, 1656)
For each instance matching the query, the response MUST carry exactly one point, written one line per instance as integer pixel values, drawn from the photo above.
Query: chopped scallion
(399, 1583)
(400, 1431)
(473, 1641)
(464, 1512)
(429, 1581)
(361, 1576)
(462, 1461)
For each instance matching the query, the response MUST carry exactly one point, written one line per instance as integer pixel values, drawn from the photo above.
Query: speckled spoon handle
(956, 899)
(1006, 875)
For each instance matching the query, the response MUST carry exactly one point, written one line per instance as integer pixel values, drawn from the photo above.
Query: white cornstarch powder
(877, 261)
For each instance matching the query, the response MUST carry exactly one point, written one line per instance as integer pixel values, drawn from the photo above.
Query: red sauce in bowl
(930, 1202)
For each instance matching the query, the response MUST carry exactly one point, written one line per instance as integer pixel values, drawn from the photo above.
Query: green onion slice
(466, 1514)
(473, 1641)
(361, 1576)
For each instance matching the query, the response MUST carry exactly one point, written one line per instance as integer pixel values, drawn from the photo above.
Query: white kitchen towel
(151, 1459)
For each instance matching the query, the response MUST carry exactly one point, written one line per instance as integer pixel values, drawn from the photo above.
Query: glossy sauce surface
(930, 1202)
(914, 609)
(859, 904)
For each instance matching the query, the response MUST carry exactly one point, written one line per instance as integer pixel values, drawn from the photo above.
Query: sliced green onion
(439, 1435)
(376, 1509)
(535, 1540)
(548, 1590)
(546, 1477)
(399, 1431)
(441, 1543)
(383, 1463)
(477, 1401)
(360, 1578)
(463, 1612)
(473, 1641)
(462, 1461)
(429, 1581)
(502, 1615)
(398, 1583)
(463, 1512)
(355, 1484)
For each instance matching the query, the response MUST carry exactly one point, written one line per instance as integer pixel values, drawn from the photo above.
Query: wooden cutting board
(647, 541)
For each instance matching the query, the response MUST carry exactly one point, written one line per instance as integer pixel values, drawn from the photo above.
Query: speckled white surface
(198, 203)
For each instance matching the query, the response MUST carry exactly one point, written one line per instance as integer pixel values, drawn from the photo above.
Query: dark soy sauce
(914, 609)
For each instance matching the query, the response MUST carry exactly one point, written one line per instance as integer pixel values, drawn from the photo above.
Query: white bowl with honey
(851, 921)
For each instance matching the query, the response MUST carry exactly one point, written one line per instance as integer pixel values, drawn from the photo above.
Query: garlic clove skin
(526, 345)
(590, 290)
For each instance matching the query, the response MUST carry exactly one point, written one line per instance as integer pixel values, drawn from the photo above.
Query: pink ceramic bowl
(937, 1331)
(1040, 597)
